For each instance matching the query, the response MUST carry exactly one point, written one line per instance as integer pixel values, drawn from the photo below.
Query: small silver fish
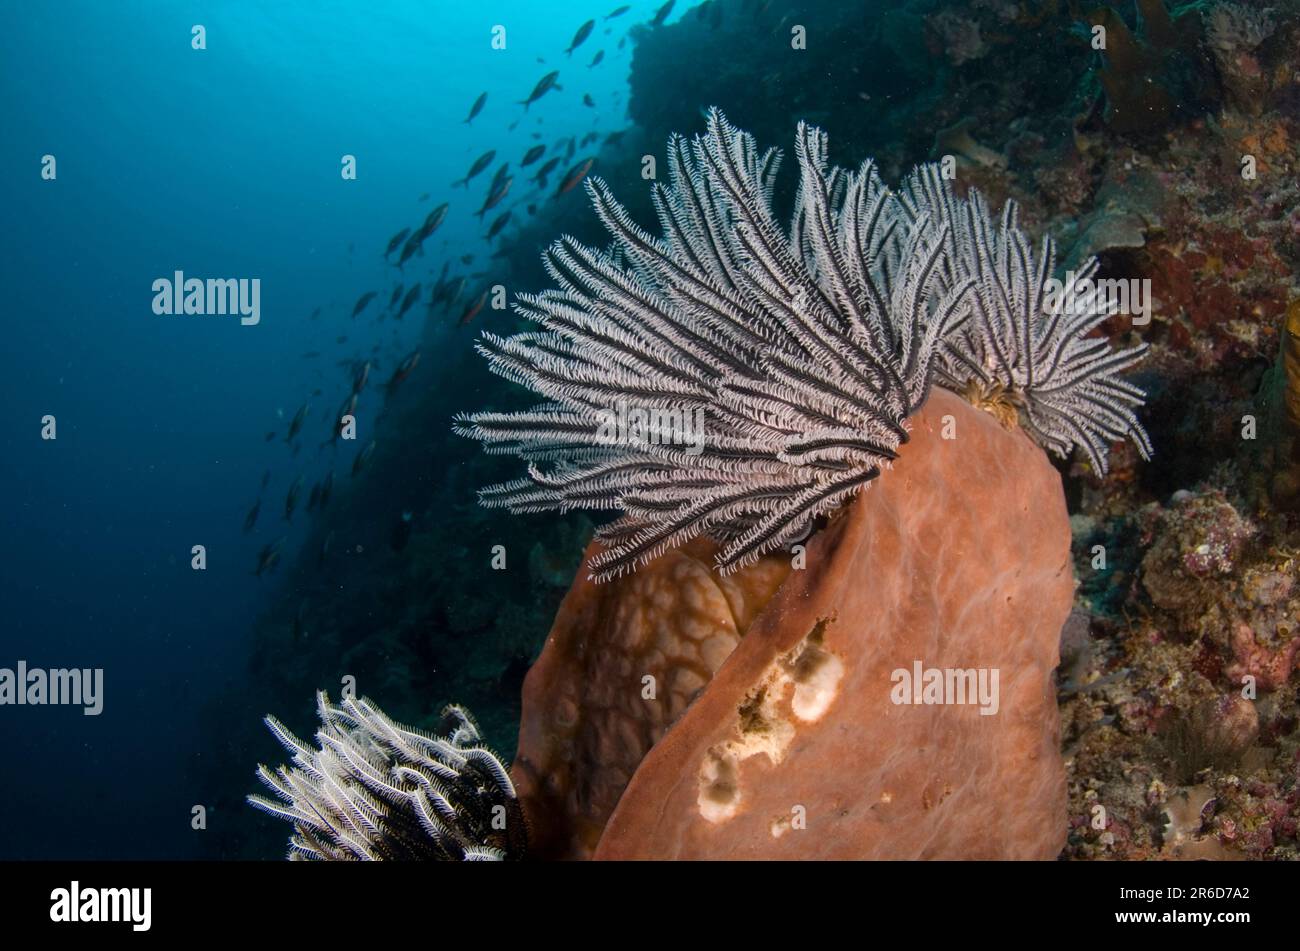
(584, 31)
(544, 85)
(291, 499)
(296, 423)
(476, 108)
(362, 458)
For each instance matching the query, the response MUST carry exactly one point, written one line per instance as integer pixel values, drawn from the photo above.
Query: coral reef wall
(1185, 564)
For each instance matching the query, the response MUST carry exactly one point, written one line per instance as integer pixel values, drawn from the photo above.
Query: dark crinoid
(771, 370)
(375, 789)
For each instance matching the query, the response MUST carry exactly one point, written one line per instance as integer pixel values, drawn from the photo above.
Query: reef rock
(776, 725)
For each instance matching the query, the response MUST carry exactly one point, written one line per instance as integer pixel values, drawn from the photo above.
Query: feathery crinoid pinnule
(735, 378)
(378, 790)
(1027, 344)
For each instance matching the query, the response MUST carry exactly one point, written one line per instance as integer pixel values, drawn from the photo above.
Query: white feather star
(804, 350)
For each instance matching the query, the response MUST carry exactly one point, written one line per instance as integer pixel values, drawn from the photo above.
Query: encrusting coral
(774, 371)
(1282, 392)
(1234, 33)
(375, 789)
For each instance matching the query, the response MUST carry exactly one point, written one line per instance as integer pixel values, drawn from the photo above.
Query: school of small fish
(543, 172)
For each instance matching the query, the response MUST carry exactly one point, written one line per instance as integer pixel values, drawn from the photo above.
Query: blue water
(223, 163)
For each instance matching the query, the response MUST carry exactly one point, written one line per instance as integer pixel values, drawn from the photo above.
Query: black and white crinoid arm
(377, 790)
(771, 370)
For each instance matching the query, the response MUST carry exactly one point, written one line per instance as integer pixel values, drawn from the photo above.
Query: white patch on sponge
(764, 722)
(816, 678)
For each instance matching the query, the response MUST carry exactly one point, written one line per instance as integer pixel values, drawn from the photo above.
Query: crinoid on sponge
(1028, 343)
(375, 789)
(769, 373)
(676, 713)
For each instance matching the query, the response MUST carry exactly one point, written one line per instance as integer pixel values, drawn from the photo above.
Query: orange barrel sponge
(886, 692)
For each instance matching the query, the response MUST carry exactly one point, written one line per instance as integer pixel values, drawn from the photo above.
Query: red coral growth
(1214, 276)
(1208, 662)
(1200, 538)
(1271, 667)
